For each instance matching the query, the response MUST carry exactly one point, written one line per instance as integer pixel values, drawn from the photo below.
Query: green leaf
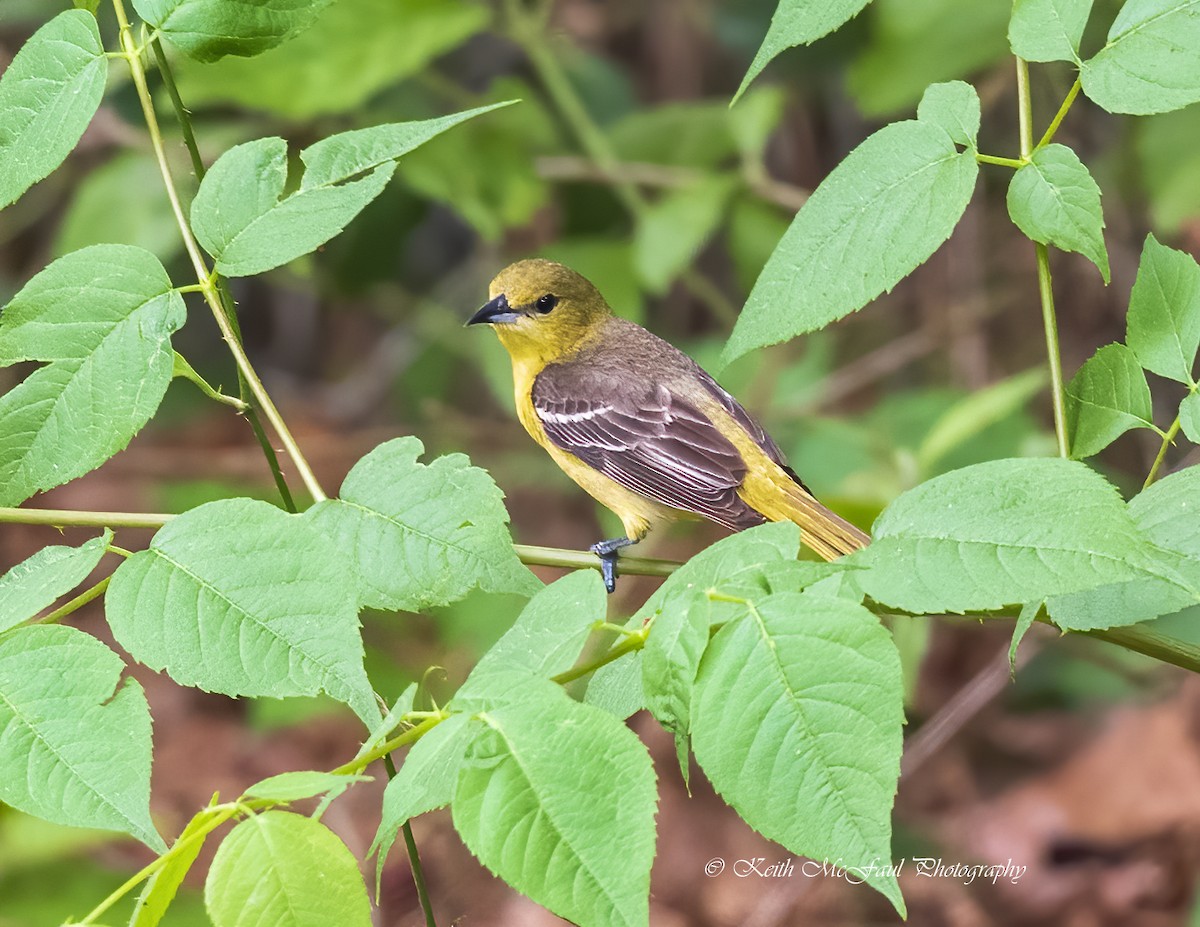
(671, 232)
(240, 598)
(121, 201)
(1048, 30)
(48, 95)
(1002, 533)
(37, 581)
(547, 636)
(797, 720)
(1106, 398)
(425, 782)
(1055, 201)
(1168, 512)
(357, 48)
(242, 218)
(102, 319)
(1164, 312)
(976, 413)
(76, 738)
(1151, 63)
(954, 106)
(876, 217)
(160, 889)
(422, 535)
(285, 870)
(797, 22)
(617, 687)
(1025, 620)
(301, 784)
(576, 837)
(1189, 416)
(915, 43)
(211, 29)
(670, 660)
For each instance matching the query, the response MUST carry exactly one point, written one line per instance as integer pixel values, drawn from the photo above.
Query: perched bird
(636, 422)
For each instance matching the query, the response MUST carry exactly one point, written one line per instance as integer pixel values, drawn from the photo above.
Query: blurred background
(625, 161)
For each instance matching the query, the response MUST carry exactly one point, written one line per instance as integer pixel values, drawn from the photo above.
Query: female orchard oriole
(636, 422)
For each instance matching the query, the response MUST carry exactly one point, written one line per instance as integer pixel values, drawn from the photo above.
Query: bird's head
(542, 310)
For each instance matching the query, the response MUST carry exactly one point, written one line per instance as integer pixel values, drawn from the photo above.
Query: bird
(638, 424)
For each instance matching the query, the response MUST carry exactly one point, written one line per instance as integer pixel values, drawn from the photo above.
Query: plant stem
(1015, 163)
(534, 556)
(220, 817)
(413, 734)
(76, 603)
(188, 372)
(1060, 115)
(207, 281)
(418, 874)
(1045, 290)
(1167, 441)
(635, 641)
(181, 113)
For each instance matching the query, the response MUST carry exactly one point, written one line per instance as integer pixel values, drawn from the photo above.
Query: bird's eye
(546, 303)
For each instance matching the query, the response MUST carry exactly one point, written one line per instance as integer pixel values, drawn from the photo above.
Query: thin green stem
(69, 518)
(418, 874)
(635, 641)
(1167, 441)
(181, 113)
(1152, 644)
(413, 734)
(1015, 163)
(1045, 290)
(188, 372)
(223, 814)
(203, 274)
(1048, 137)
(76, 603)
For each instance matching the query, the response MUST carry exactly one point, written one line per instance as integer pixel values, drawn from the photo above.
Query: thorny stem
(1045, 290)
(207, 278)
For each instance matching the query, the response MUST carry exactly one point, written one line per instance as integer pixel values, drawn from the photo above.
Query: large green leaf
(357, 48)
(1003, 533)
(426, 780)
(1054, 200)
(1106, 398)
(242, 218)
(1168, 512)
(798, 22)
(285, 870)
(48, 95)
(1048, 30)
(241, 598)
(577, 836)
(53, 571)
(547, 636)
(74, 739)
(422, 535)
(875, 218)
(211, 29)
(1151, 63)
(797, 720)
(102, 319)
(1164, 312)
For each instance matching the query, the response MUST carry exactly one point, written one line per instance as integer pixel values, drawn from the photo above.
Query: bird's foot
(607, 552)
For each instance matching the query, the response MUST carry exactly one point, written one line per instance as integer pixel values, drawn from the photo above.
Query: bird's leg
(607, 552)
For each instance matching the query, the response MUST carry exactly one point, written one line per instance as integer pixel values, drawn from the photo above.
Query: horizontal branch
(534, 556)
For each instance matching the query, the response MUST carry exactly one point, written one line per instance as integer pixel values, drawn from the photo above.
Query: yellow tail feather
(777, 497)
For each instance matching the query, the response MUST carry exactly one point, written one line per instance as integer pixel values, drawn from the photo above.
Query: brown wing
(648, 440)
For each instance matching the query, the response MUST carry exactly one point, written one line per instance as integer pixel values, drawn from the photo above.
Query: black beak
(495, 312)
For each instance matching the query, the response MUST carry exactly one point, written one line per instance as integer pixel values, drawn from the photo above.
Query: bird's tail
(781, 498)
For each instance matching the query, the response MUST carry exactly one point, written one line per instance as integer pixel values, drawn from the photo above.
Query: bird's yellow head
(541, 310)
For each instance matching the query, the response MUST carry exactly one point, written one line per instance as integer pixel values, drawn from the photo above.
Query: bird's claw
(607, 552)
